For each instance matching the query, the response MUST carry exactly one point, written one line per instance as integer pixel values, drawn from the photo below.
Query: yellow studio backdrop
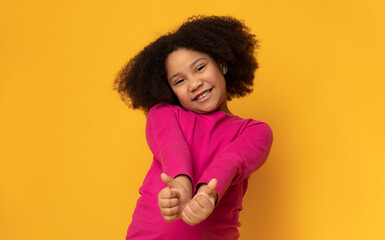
(73, 155)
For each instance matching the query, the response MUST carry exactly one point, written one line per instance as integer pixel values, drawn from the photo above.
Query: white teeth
(203, 95)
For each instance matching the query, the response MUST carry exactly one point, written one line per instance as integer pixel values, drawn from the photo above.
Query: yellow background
(73, 156)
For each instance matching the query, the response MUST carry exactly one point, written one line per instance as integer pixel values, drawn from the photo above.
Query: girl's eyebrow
(191, 65)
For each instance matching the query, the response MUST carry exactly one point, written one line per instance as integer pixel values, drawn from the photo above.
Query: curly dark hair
(143, 81)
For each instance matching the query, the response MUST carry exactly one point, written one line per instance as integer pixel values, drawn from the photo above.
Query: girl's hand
(173, 198)
(202, 205)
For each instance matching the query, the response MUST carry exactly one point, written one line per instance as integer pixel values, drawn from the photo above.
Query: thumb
(212, 185)
(165, 178)
(209, 191)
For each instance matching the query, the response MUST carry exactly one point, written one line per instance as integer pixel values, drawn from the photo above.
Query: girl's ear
(223, 68)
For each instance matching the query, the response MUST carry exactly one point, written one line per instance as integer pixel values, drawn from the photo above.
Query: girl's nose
(195, 84)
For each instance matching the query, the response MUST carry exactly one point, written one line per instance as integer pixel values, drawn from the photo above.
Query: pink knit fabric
(201, 146)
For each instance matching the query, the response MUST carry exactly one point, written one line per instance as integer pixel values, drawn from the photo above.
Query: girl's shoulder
(163, 109)
(162, 106)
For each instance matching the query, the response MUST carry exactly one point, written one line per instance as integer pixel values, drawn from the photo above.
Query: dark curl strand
(142, 82)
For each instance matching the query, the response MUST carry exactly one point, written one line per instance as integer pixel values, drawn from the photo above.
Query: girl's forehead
(184, 59)
(183, 56)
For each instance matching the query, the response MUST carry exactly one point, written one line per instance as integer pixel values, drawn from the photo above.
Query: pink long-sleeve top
(201, 146)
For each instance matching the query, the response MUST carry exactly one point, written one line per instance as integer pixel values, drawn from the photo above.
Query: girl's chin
(206, 107)
(205, 110)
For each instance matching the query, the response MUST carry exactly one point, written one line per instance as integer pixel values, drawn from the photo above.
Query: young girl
(203, 154)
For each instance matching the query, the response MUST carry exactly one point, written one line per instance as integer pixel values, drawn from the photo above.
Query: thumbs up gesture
(173, 198)
(201, 205)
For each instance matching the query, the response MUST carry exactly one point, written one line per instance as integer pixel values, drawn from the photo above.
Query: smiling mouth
(203, 95)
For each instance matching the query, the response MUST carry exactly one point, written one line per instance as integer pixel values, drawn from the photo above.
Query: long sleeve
(240, 158)
(167, 142)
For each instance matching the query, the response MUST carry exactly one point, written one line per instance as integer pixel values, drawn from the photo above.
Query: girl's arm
(233, 164)
(167, 142)
(240, 158)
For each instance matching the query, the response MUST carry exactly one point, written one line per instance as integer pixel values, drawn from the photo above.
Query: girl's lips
(205, 98)
(202, 95)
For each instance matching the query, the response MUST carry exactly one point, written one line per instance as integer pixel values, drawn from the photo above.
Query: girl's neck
(225, 108)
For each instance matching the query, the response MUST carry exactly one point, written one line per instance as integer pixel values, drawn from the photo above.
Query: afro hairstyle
(142, 82)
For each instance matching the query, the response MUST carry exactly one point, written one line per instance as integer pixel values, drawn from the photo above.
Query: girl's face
(197, 81)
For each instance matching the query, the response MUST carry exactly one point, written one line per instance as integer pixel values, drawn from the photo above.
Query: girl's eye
(200, 68)
(179, 81)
